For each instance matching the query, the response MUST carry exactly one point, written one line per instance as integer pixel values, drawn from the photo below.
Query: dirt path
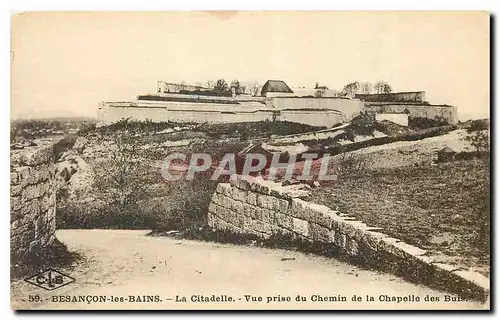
(123, 263)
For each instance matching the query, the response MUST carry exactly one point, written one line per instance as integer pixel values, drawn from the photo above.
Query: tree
(210, 84)
(366, 88)
(238, 88)
(221, 86)
(351, 89)
(316, 85)
(478, 136)
(382, 87)
(255, 88)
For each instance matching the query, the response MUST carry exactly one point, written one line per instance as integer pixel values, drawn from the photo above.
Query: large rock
(75, 176)
(80, 144)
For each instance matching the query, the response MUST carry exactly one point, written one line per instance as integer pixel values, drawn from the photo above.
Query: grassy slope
(441, 208)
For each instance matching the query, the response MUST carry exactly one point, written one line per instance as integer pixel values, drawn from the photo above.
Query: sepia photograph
(250, 160)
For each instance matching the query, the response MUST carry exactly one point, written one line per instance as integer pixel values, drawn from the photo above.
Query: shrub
(477, 136)
(419, 123)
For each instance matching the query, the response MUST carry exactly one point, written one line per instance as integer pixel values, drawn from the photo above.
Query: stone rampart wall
(263, 209)
(32, 200)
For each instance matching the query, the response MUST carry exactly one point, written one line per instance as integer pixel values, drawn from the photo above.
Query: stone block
(265, 201)
(15, 203)
(246, 223)
(45, 203)
(354, 229)
(224, 188)
(281, 205)
(301, 227)
(372, 240)
(352, 247)
(212, 208)
(261, 187)
(340, 240)
(279, 231)
(16, 190)
(408, 249)
(267, 216)
(251, 198)
(222, 200)
(23, 173)
(237, 207)
(14, 178)
(238, 194)
(250, 210)
(291, 192)
(387, 244)
(311, 212)
(261, 227)
(216, 198)
(446, 267)
(224, 213)
(283, 220)
(39, 174)
(19, 226)
(34, 191)
(320, 233)
(38, 156)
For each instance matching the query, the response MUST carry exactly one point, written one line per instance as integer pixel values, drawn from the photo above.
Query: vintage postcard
(250, 160)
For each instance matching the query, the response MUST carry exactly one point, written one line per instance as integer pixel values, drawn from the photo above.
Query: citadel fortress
(274, 101)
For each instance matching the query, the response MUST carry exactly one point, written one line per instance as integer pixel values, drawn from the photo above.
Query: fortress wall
(109, 115)
(349, 108)
(32, 201)
(447, 113)
(326, 118)
(312, 111)
(214, 113)
(416, 96)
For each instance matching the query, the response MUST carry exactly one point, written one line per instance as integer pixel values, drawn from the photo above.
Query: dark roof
(275, 86)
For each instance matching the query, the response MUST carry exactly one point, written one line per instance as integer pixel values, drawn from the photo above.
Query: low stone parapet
(264, 209)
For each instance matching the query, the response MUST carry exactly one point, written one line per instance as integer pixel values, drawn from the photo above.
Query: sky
(64, 63)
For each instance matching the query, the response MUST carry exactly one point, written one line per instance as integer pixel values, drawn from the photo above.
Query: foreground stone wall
(32, 201)
(263, 209)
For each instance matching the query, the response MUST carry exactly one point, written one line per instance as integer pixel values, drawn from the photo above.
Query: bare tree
(366, 87)
(351, 89)
(382, 87)
(255, 88)
(238, 88)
